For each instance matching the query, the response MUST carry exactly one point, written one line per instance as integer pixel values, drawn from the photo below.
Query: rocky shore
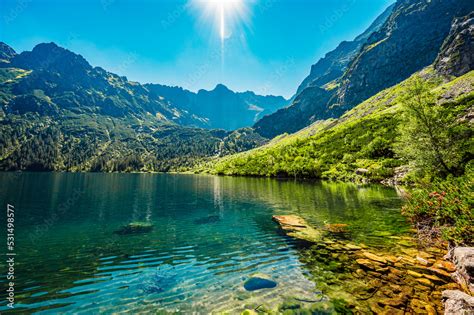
(402, 280)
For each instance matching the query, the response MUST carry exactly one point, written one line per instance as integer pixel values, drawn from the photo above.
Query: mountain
(408, 40)
(60, 113)
(361, 144)
(221, 107)
(335, 62)
(70, 82)
(6, 53)
(358, 146)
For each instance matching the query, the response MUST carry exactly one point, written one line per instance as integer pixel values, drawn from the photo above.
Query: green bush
(444, 209)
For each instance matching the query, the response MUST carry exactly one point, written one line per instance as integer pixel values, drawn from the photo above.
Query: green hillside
(359, 146)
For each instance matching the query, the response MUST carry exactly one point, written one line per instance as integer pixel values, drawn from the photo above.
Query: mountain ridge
(221, 106)
(409, 40)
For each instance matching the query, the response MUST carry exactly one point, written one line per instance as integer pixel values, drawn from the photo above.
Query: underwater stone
(207, 220)
(259, 282)
(297, 227)
(435, 279)
(336, 228)
(444, 265)
(352, 247)
(375, 257)
(425, 282)
(367, 264)
(440, 273)
(422, 261)
(135, 228)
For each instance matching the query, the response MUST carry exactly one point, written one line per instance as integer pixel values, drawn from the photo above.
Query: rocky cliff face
(335, 62)
(409, 40)
(6, 53)
(457, 53)
(296, 116)
(318, 89)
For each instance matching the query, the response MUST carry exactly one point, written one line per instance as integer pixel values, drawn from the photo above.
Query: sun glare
(226, 15)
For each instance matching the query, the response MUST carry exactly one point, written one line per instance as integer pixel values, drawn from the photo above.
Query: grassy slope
(334, 149)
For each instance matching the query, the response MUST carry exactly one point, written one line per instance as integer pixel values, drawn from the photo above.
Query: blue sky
(173, 43)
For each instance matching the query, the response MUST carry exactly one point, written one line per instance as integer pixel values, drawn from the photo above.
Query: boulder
(361, 171)
(463, 258)
(258, 282)
(457, 302)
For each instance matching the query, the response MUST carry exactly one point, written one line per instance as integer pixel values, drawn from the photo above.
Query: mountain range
(364, 144)
(60, 113)
(220, 107)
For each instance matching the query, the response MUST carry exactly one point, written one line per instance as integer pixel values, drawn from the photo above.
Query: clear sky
(268, 46)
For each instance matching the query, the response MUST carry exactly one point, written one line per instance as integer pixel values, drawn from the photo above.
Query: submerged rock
(368, 264)
(207, 220)
(161, 281)
(297, 227)
(258, 282)
(135, 228)
(336, 228)
(375, 257)
(445, 265)
(350, 246)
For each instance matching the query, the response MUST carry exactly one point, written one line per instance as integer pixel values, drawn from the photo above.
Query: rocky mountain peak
(409, 40)
(51, 57)
(221, 88)
(456, 57)
(6, 52)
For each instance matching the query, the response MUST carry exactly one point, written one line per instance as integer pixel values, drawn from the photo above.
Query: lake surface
(210, 235)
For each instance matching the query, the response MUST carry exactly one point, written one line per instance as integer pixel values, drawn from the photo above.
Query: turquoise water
(210, 235)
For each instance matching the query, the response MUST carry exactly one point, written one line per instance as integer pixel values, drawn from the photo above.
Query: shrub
(444, 209)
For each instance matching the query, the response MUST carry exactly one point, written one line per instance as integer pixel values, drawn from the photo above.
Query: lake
(210, 235)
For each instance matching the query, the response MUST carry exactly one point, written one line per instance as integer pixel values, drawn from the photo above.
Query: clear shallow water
(210, 235)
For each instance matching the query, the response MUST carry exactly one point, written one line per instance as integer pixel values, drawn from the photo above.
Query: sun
(226, 15)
